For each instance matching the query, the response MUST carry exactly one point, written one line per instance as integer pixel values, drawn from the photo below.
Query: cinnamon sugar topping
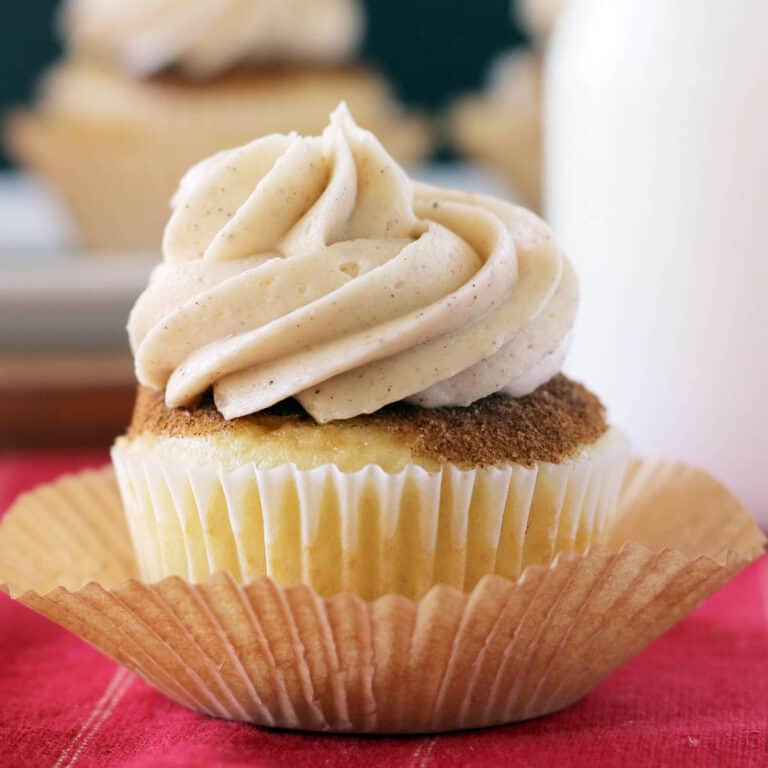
(550, 425)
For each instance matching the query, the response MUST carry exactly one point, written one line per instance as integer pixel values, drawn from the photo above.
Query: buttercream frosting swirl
(315, 268)
(204, 37)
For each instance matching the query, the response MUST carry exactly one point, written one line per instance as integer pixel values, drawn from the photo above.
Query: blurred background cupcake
(148, 87)
(502, 125)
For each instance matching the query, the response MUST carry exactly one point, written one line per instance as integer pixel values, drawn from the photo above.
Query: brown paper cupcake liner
(506, 651)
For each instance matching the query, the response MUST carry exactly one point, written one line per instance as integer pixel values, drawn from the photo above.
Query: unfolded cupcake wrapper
(368, 532)
(284, 656)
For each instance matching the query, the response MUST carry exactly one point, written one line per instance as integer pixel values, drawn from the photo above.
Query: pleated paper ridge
(369, 532)
(505, 651)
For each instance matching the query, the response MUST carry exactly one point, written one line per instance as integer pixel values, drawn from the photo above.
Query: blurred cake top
(315, 268)
(205, 37)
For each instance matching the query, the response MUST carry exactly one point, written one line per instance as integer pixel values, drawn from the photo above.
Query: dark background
(432, 49)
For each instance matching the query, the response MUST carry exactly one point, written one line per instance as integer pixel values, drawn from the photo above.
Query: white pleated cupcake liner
(508, 650)
(369, 532)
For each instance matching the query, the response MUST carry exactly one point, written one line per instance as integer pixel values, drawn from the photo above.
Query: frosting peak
(315, 268)
(203, 37)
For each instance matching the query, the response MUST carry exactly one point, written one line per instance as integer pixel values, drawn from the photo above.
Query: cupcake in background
(351, 380)
(149, 87)
(502, 126)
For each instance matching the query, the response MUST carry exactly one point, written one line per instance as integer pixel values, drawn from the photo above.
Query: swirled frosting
(203, 37)
(315, 268)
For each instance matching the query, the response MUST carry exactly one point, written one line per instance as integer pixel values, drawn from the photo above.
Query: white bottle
(657, 186)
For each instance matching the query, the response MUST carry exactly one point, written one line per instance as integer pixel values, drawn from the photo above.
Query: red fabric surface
(696, 697)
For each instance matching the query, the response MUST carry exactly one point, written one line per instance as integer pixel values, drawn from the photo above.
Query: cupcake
(502, 126)
(150, 87)
(351, 380)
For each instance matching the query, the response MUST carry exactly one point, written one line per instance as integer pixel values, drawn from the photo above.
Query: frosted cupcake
(351, 380)
(150, 87)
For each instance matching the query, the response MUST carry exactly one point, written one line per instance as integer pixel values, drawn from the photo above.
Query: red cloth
(698, 697)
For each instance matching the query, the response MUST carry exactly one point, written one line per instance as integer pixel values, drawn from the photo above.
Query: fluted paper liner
(369, 532)
(506, 651)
